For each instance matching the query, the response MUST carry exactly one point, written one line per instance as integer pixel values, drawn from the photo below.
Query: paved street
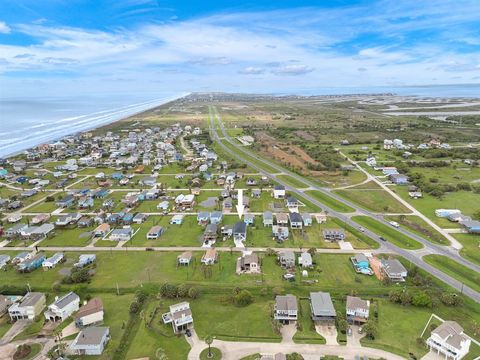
(412, 256)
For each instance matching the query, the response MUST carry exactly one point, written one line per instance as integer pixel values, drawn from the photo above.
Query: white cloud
(292, 70)
(251, 70)
(4, 28)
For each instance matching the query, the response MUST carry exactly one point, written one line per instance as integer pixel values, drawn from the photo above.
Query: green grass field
(458, 271)
(329, 201)
(373, 200)
(418, 226)
(306, 332)
(387, 232)
(297, 184)
(471, 246)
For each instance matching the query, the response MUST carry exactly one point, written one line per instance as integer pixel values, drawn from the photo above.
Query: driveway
(329, 332)
(16, 329)
(288, 331)
(354, 339)
(433, 356)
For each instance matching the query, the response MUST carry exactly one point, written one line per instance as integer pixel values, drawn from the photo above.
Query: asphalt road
(413, 256)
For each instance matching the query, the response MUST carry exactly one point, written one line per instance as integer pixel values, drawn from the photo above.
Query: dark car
(382, 238)
(188, 333)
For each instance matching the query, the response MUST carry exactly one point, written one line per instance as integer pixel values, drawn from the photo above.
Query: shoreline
(95, 127)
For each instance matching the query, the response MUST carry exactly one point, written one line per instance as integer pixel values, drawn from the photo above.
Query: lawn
(329, 201)
(373, 200)
(153, 335)
(306, 332)
(4, 325)
(388, 233)
(250, 323)
(68, 237)
(361, 241)
(458, 271)
(295, 183)
(409, 321)
(471, 246)
(418, 226)
(46, 207)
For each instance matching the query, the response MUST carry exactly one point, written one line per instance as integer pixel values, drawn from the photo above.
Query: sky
(54, 47)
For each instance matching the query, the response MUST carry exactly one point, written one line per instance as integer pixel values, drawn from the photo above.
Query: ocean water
(26, 122)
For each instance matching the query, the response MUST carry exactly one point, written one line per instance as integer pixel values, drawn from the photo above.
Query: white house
(123, 234)
(90, 313)
(449, 341)
(63, 307)
(279, 192)
(91, 341)
(52, 261)
(29, 307)
(357, 309)
(305, 259)
(180, 316)
(286, 308)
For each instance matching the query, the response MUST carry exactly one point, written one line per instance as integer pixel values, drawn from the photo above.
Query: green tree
(243, 298)
(370, 329)
(209, 341)
(422, 299)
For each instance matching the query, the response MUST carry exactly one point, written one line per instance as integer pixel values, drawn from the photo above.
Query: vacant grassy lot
(458, 271)
(293, 181)
(471, 246)
(387, 232)
(418, 226)
(329, 201)
(373, 200)
(68, 237)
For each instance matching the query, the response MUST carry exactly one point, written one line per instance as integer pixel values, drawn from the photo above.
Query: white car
(394, 224)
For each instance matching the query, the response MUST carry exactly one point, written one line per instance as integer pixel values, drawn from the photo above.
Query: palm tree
(209, 341)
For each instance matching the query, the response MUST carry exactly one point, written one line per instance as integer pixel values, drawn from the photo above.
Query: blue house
(32, 264)
(117, 176)
(86, 202)
(22, 180)
(127, 218)
(216, 217)
(249, 219)
(472, 226)
(3, 173)
(203, 217)
(399, 179)
(207, 175)
(100, 193)
(67, 201)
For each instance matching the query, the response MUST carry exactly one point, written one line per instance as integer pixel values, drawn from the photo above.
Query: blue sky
(72, 47)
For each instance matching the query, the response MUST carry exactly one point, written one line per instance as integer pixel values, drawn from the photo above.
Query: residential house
(66, 201)
(296, 221)
(305, 259)
(101, 230)
(53, 261)
(177, 219)
(29, 307)
(399, 179)
(249, 219)
(210, 257)
(85, 221)
(203, 217)
(31, 264)
(286, 259)
(286, 308)
(357, 310)
(228, 204)
(248, 263)
(281, 219)
(90, 314)
(279, 192)
(321, 307)
(155, 232)
(184, 258)
(227, 230)
(62, 307)
(85, 202)
(267, 218)
(240, 231)
(180, 316)
(449, 341)
(361, 264)
(85, 260)
(393, 269)
(163, 205)
(90, 341)
(123, 234)
(472, 226)
(307, 219)
(210, 234)
(139, 218)
(22, 257)
(4, 259)
(333, 234)
(280, 233)
(256, 193)
(15, 230)
(292, 203)
(446, 212)
(216, 217)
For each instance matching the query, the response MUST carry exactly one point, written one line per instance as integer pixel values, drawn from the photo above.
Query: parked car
(361, 229)
(382, 238)
(188, 333)
(289, 277)
(349, 331)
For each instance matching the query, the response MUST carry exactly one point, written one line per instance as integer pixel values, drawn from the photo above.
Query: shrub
(193, 293)
(243, 298)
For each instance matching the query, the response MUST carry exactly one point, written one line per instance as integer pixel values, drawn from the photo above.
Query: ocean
(27, 122)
